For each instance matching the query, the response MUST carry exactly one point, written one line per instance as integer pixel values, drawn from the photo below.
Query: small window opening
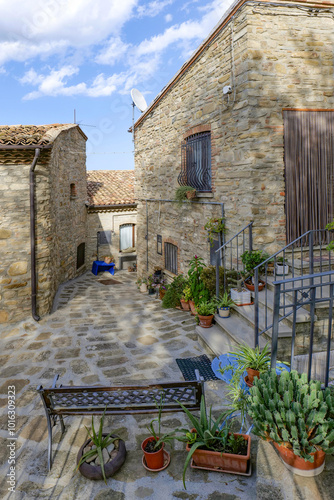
(73, 191)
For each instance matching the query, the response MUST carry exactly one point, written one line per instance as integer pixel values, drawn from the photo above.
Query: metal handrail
(308, 234)
(221, 256)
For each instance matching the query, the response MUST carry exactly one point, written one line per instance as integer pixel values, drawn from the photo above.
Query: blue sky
(87, 55)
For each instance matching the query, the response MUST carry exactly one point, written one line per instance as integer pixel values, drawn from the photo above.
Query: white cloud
(168, 18)
(114, 50)
(154, 8)
(29, 29)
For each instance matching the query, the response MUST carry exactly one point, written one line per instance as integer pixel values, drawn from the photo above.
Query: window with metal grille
(171, 257)
(80, 255)
(196, 162)
(159, 244)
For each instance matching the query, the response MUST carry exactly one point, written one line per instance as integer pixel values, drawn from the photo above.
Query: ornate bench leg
(48, 419)
(62, 424)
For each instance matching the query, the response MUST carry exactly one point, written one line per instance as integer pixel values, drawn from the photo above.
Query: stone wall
(273, 57)
(60, 223)
(107, 220)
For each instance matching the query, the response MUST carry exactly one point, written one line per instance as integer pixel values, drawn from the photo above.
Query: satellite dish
(139, 100)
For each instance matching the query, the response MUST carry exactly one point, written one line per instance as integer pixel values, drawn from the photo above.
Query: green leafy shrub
(174, 292)
(293, 412)
(206, 308)
(199, 292)
(208, 276)
(181, 194)
(253, 259)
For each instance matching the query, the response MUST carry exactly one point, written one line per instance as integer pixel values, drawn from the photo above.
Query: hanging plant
(184, 193)
(215, 226)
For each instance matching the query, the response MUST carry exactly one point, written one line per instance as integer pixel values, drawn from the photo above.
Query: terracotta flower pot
(162, 292)
(95, 471)
(190, 195)
(192, 307)
(205, 321)
(154, 460)
(251, 287)
(251, 374)
(298, 465)
(185, 305)
(225, 461)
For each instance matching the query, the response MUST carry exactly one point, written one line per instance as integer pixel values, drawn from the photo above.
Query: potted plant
(101, 455)
(184, 193)
(239, 294)
(251, 360)
(155, 456)
(205, 312)
(185, 299)
(224, 304)
(198, 290)
(297, 416)
(214, 226)
(174, 292)
(151, 285)
(330, 227)
(252, 259)
(213, 446)
(282, 268)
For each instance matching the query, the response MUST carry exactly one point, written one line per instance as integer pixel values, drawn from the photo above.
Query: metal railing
(196, 162)
(298, 258)
(307, 291)
(229, 254)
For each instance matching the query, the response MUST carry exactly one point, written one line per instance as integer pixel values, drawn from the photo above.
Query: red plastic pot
(298, 465)
(185, 305)
(205, 321)
(226, 461)
(153, 460)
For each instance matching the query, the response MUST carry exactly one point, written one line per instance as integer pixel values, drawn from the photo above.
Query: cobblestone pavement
(103, 335)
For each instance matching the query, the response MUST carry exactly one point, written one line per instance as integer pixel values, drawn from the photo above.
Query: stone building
(241, 122)
(43, 191)
(112, 216)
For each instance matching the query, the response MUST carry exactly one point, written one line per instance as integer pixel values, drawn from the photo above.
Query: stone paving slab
(103, 335)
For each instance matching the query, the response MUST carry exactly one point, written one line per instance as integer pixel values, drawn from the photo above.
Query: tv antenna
(138, 100)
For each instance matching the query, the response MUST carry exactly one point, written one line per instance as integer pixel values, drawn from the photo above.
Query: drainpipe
(33, 235)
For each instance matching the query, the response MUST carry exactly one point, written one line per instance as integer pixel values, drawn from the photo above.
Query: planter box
(241, 298)
(226, 461)
(282, 270)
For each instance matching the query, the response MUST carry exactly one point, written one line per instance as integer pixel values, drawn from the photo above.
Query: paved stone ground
(107, 335)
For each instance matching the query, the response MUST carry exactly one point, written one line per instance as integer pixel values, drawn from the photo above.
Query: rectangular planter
(227, 461)
(241, 298)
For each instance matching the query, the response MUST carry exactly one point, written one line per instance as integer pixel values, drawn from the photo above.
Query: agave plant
(100, 442)
(207, 433)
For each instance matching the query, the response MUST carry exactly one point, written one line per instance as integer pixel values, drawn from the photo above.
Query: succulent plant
(293, 412)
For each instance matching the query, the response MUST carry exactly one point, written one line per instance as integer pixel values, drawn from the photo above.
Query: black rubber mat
(110, 282)
(200, 363)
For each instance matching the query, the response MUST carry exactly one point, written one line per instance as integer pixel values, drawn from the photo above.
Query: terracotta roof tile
(110, 187)
(30, 135)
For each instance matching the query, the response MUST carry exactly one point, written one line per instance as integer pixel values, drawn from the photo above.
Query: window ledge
(204, 195)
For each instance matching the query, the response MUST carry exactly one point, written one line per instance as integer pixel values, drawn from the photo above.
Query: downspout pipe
(33, 236)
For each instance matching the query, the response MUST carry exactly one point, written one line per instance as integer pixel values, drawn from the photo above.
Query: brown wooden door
(309, 170)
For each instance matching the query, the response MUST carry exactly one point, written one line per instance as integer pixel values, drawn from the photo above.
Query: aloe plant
(207, 433)
(100, 442)
(293, 412)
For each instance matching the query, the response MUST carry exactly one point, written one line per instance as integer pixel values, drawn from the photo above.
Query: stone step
(303, 316)
(247, 314)
(215, 341)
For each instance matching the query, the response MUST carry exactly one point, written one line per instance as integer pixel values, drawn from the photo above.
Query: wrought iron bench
(66, 401)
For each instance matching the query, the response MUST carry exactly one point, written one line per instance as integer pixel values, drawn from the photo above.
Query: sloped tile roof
(31, 135)
(110, 187)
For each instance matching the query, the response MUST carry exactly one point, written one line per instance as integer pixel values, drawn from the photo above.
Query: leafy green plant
(100, 442)
(207, 433)
(174, 292)
(253, 259)
(247, 357)
(187, 293)
(158, 438)
(141, 281)
(206, 308)
(281, 261)
(215, 226)
(330, 227)
(235, 443)
(198, 290)
(293, 412)
(181, 194)
(225, 300)
(208, 277)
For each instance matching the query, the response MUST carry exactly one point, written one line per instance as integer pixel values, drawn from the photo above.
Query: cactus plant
(293, 412)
